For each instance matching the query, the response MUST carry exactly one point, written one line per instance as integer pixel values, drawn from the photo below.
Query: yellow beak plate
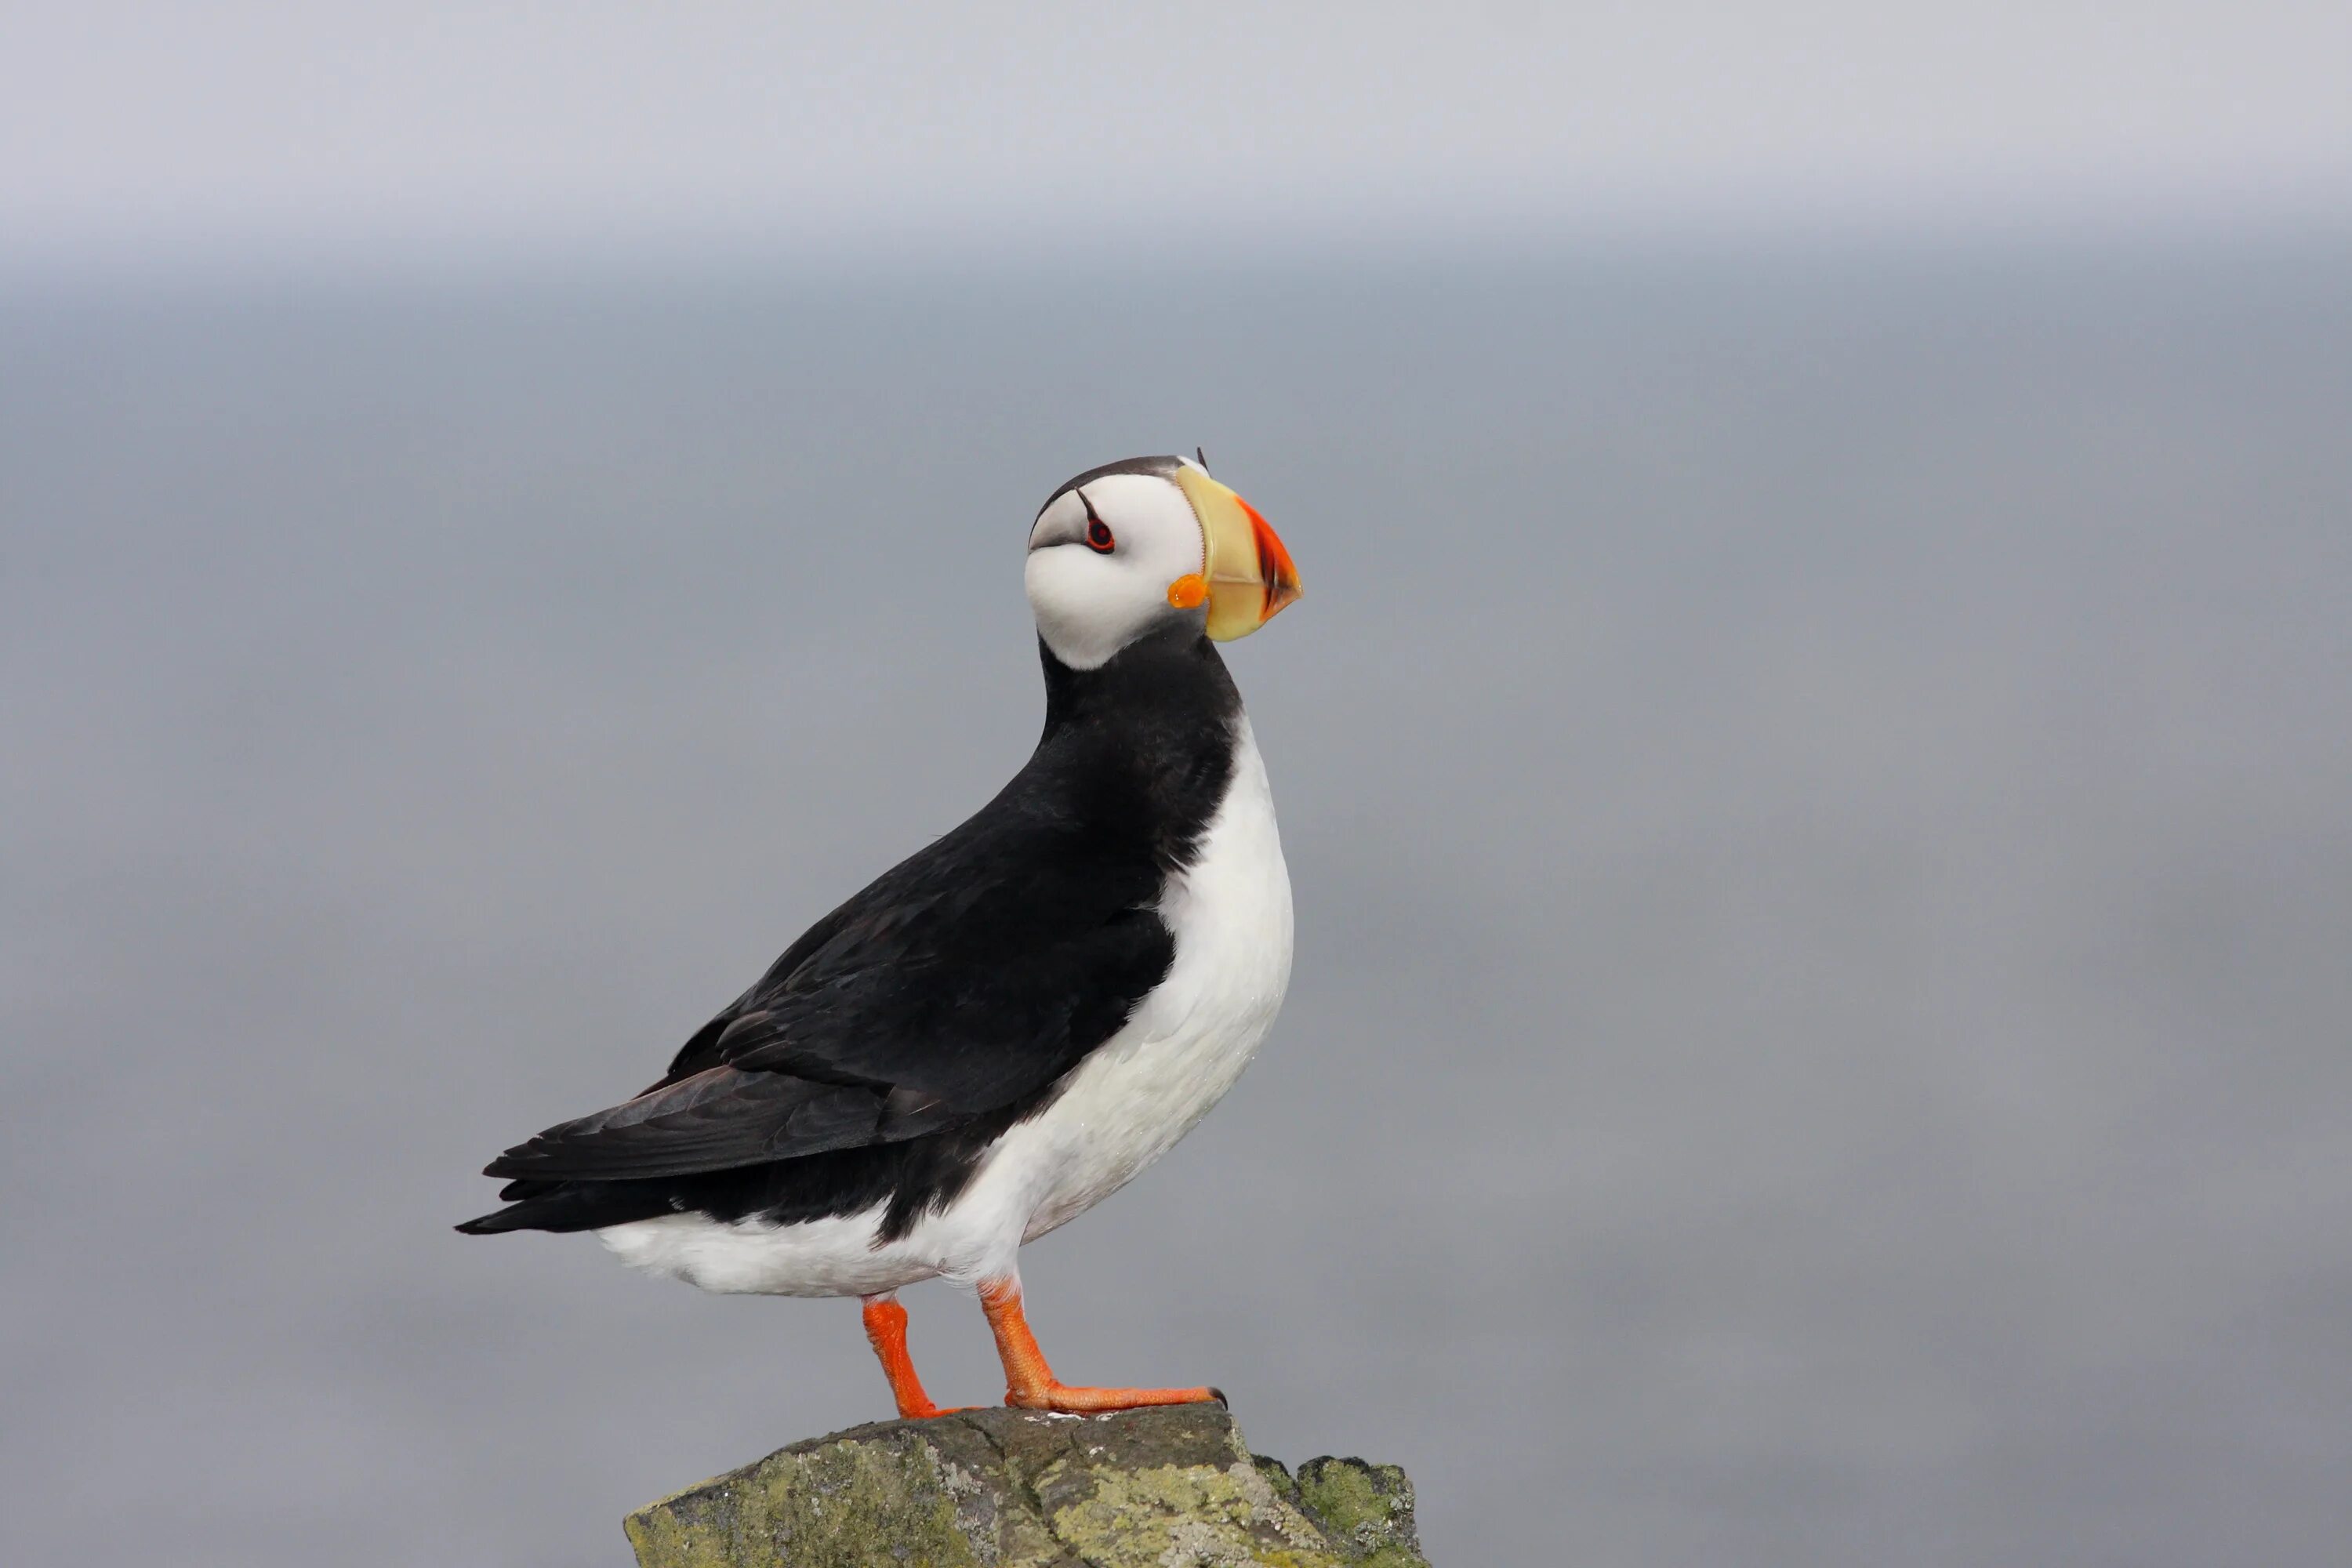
(1249, 572)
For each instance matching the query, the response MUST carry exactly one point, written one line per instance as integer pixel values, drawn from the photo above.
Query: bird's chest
(1189, 1041)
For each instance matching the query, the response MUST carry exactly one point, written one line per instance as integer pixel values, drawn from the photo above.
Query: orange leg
(1031, 1384)
(886, 1326)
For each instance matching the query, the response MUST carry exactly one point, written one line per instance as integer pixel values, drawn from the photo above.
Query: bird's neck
(1138, 752)
(1171, 679)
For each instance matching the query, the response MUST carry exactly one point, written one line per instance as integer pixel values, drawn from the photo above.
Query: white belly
(1126, 1105)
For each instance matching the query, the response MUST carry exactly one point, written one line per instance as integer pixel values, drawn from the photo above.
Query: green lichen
(1006, 1489)
(1277, 1477)
(1194, 1514)
(847, 1506)
(1366, 1509)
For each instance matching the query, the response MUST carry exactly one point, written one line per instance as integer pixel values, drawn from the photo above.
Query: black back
(905, 1031)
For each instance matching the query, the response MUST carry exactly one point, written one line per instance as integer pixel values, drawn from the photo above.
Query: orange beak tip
(1275, 569)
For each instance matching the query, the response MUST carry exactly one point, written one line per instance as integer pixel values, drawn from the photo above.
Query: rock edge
(1014, 1489)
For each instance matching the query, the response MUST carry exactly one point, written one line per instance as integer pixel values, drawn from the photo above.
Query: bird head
(1135, 546)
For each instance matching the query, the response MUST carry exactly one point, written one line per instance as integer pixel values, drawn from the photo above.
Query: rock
(1173, 1488)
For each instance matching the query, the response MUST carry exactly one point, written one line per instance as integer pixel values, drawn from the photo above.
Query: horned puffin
(1000, 1031)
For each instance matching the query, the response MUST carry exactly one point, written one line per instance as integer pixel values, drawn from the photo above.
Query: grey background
(1817, 791)
(1817, 758)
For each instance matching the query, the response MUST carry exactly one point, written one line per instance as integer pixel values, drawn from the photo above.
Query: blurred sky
(1818, 796)
(1818, 777)
(155, 133)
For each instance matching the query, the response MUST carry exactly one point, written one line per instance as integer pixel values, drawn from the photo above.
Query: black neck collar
(1171, 669)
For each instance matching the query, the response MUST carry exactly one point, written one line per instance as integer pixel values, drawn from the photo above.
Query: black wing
(971, 974)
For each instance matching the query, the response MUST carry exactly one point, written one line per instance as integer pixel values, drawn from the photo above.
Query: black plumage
(883, 1052)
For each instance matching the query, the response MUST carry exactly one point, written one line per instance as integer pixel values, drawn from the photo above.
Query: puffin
(1005, 1027)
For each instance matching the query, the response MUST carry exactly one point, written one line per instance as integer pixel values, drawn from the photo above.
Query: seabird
(1003, 1028)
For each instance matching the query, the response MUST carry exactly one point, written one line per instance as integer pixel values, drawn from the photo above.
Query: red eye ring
(1098, 534)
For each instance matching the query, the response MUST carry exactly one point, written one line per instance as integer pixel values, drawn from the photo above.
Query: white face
(1096, 582)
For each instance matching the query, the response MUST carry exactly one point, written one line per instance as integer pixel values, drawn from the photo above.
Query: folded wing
(971, 975)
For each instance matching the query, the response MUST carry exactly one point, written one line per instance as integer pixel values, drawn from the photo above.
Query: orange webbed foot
(1030, 1383)
(886, 1329)
(1063, 1398)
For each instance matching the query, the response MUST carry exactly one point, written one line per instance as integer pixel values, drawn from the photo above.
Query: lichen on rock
(1173, 1488)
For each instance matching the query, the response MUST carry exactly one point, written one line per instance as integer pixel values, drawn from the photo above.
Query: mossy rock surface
(1011, 1488)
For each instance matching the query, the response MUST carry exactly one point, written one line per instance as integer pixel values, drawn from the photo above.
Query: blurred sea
(1819, 784)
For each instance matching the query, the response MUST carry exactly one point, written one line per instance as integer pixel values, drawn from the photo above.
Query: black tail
(544, 1205)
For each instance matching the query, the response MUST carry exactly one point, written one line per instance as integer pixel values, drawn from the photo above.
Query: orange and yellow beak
(1246, 576)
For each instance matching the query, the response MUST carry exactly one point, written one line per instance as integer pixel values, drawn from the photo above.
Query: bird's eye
(1099, 537)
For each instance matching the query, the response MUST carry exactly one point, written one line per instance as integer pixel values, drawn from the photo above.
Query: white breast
(1126, 1105)
(1131, 1100)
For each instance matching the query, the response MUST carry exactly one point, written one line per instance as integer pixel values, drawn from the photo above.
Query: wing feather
(713, 1121)
(971, 974)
